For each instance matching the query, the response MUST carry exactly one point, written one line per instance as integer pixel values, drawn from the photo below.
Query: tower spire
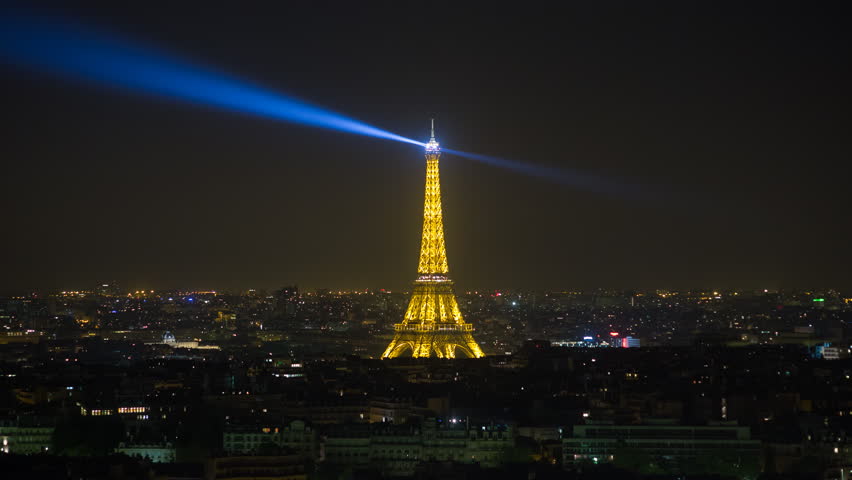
(433, 147)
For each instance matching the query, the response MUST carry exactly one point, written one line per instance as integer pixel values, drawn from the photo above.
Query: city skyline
(631, 241)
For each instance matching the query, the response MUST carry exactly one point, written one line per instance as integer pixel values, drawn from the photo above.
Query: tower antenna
(432, 146)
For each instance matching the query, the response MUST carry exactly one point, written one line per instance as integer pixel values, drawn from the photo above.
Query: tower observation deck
(433, 324)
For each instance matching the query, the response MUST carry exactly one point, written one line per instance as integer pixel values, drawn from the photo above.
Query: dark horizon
(725, 122)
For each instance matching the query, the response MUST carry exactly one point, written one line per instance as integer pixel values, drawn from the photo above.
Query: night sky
(728, 126)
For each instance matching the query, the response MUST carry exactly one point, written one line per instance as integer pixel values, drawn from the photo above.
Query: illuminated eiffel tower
(433, 323)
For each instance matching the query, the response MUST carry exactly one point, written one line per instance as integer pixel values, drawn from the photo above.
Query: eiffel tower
(433, 323)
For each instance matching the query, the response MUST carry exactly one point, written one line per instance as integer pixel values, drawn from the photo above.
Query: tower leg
(391, 347)
(439, 344)
(398, 345)
(471, 346)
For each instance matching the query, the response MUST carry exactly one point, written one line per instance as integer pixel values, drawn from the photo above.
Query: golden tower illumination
(433, 323)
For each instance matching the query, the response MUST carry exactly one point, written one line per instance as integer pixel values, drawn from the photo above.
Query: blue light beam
(65, 49)
(71, 50)
(576, 179)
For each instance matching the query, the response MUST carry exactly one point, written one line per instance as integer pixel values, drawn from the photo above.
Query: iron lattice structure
(433, 323)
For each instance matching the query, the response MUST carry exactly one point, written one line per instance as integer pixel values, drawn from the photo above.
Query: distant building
(296, 436)
(540, 433)
(630, 342)
(156, 453)
(397, 449)
(286, 301)
(226, 319)
(831, 353)
(25, 436)
(383, 409)
(345, 409)
(675, 444)
(277, 467)
(169, 339)
(108, 289)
